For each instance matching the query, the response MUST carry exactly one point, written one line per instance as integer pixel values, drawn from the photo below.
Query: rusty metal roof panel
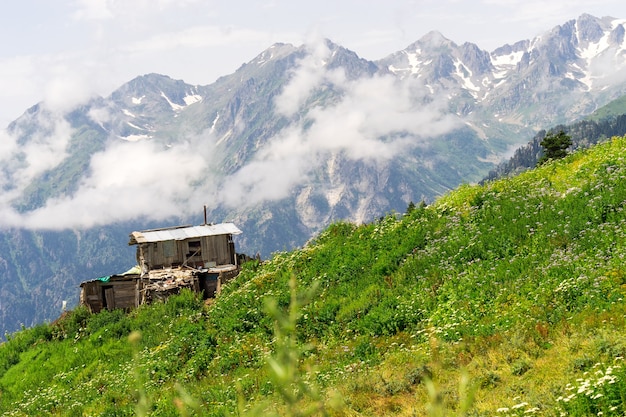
(182, 233)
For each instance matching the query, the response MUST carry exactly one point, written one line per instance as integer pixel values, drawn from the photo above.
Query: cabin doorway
(108, 297)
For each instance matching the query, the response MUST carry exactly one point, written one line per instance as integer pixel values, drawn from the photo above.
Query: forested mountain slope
(512, 292)
(583, 134)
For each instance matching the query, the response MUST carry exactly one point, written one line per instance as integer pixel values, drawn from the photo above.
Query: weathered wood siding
(161, 254)
(196, 252)
(116, 293)
(123, 295)
(91, 296)
(217, 250)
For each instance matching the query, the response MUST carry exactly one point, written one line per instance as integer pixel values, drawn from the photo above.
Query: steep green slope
(613, 109)
(511, 293)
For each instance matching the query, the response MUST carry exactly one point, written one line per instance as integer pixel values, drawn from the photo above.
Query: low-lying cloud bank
(375, 119)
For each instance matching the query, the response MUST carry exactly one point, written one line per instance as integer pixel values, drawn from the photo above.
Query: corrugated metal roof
(182, 233)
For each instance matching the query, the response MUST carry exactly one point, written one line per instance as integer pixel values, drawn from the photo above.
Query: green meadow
(504, 299)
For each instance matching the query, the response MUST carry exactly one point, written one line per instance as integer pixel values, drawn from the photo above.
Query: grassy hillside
(615, 108)
(503, 299)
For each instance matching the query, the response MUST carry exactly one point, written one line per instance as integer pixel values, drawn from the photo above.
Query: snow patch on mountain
(192, 99)
(505, 62)
(594, 49)
(414, 64)
(134, 126)
(615, 23)
(135, 138)
(189, 99)
(602, 57)
(217, 117)
(466, 77)
(174, 106)
(274, 52)
(225, 137)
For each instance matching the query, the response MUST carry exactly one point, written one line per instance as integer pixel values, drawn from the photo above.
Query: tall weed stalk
(298, 396)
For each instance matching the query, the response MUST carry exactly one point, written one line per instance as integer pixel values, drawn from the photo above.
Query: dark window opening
(195, 248)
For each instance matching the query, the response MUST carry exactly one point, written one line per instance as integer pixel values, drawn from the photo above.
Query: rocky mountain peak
(589, 29)
(160, 87)
(433, 41)
(353, 65)
(478, 60)
(519, 46)
(276, 51)
(559, 44)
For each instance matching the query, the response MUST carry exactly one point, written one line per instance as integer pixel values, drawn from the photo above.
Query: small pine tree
(554, 146)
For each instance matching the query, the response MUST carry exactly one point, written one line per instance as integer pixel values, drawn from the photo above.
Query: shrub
(520, 367)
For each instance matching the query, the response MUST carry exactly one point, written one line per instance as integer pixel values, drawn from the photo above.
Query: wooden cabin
(205, 246)
(201, 258)
(111, 292)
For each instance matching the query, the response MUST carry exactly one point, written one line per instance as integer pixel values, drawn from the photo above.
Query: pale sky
(64, 51)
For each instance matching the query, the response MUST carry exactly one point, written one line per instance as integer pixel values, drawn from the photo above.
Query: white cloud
(129, 181)
(110, 9)
(20, 80)
(66, 90)
(268, 177)
(100, 115)
(125, 181)
(93, 10)
(20, 164)
(8, 147)
(375, 120)
(62, 82)
(22, 68)
(44, 150)
(195, 37)
(311, 73)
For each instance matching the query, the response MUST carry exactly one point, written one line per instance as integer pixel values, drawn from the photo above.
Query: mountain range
(295, 139)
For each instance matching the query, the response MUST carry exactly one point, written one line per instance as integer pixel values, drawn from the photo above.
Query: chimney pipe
(205, 215)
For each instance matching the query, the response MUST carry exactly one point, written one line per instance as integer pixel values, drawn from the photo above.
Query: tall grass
(516, 287)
